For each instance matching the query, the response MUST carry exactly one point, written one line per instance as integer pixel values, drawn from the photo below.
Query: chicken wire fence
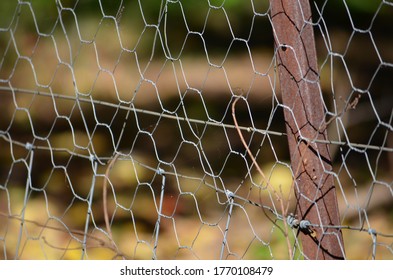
(158, 130)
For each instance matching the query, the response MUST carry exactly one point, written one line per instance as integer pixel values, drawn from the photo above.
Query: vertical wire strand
(89, 211)
(157, 228)
(230, 197)
(373, 234)
(26, 198)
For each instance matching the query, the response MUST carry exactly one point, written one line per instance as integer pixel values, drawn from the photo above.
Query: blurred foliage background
(110, 51)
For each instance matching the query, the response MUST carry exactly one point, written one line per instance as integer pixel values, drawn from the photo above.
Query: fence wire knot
(92, 158)
(29, 146)
(160, 171)
(295, 223)
(230, 195)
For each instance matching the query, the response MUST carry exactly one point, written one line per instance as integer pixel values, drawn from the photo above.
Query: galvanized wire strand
(359, 146)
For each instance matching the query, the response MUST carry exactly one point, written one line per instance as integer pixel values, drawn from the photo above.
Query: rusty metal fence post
(305, 121)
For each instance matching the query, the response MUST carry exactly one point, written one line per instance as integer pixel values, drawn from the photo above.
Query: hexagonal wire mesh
(155, 129)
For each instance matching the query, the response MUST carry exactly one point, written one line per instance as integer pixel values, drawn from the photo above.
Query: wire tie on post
(295, 223)
(292, 221)
(304, 224)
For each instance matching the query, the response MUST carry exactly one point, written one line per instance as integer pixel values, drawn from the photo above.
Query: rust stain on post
(304, 116)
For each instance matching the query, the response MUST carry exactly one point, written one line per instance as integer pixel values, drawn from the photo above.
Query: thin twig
(280, 199)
